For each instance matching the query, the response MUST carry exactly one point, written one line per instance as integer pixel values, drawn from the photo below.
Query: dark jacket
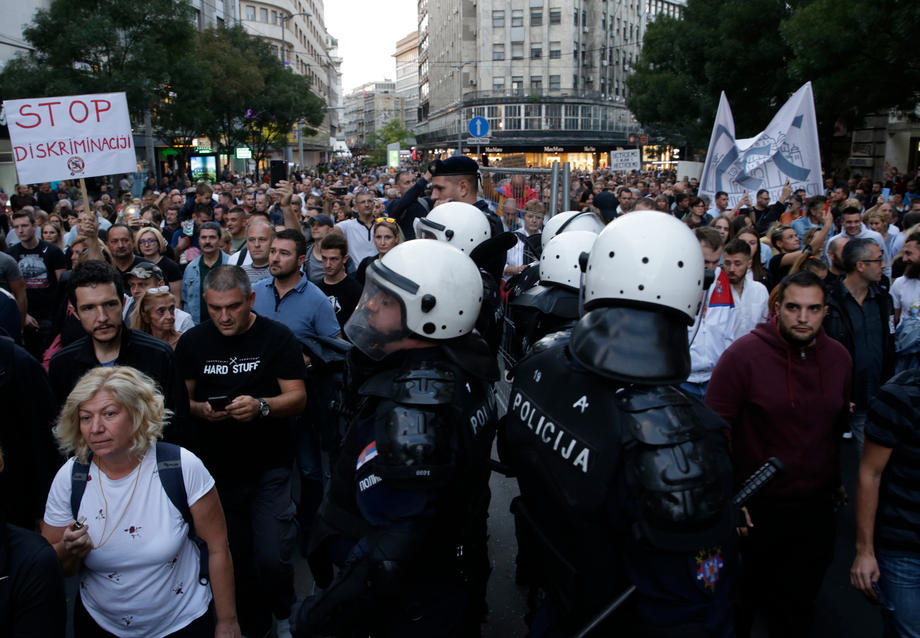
(410, 207)
(30, 454)
(792, 403)
(139, 350)
(32, 599)
(837, 324)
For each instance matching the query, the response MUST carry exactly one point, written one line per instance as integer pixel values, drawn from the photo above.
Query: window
(274, 17)
(517, 17)
(553, 112)
(250, 13)
(536, 83)
(494, 113)
(555, 16)
(536, 17)
(498, 18)
(536, 51)
(555, 82)
(532, 115)
(555, 50)
(498, 84)
(498, 51)
(263, 15)
(517, 50)
(571, 116)
(513, 117)
(517, 86)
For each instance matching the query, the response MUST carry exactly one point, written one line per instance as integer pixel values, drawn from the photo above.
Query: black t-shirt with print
(37, 266)
(344, 296)
(250, 364)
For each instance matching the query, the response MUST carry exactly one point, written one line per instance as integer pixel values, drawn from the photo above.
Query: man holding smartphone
(244, 374)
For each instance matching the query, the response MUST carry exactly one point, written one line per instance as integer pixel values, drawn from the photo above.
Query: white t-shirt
(905, 293)
(360, 239)
(143, 581)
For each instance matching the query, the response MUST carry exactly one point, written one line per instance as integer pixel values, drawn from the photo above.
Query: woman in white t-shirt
(138, 568)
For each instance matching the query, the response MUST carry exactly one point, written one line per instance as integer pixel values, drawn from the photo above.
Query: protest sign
(70, 137)
(787, 150)
(624, 160)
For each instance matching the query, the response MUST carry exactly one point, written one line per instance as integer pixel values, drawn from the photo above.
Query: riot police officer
(552, 305)
(465, 228)
(625, 481)
(405, 513)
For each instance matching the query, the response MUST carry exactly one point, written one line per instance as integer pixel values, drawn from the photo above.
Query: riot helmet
(560, 260)
(570, 220)
(460, 225)
(423, 289)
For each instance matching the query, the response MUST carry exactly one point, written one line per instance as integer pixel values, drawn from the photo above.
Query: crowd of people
(204, 379)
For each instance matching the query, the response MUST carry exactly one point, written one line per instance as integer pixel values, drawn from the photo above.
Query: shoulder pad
(420, 383)
(551, 340)
(662, 415)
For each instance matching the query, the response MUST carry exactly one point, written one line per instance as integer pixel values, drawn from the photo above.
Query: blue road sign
(478, 127)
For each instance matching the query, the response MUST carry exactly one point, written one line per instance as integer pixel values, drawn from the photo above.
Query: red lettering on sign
(99, 109)
(50, 110)
(85, 111)
(22, 112)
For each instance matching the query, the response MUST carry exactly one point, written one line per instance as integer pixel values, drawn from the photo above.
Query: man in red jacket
(784, 391)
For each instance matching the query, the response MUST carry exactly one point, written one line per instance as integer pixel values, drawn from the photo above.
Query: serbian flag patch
(367, 454)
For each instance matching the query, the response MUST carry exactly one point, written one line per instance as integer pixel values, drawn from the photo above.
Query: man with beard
(905, 294)
(784, 390)
(97, 295)
(835, 271)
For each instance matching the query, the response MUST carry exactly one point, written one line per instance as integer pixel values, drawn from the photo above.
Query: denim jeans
(900, 582)
(858, 428)
(698, 390)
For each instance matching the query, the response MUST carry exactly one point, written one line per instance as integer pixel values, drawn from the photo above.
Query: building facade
(549, 76)
(296, 32)
(367, 109)
(407, 78)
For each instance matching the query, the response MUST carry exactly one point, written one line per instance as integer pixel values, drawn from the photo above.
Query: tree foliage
(392, 132)
(101, 46)
(857, 53)
(685, 65)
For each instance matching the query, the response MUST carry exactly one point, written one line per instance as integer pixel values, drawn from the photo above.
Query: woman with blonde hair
(386, 234)
(155, 314)
(110, 517)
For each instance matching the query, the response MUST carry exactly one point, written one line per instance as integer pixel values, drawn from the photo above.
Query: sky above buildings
(367, 31)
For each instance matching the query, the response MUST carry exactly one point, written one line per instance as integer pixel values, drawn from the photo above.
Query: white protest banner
(787, 150)
(624, 160)
(70, 137)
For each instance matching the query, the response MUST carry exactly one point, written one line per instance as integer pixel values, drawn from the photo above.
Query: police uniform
(404, 517)
(625, 481)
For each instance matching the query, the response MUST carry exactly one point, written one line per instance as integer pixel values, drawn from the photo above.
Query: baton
(756, 482)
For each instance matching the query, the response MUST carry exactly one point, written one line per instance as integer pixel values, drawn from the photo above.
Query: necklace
(105, 539)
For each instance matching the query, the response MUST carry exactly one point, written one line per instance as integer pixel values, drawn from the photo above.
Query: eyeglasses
(872, 261)
(147, 242)
(158, 290)
(388, 220)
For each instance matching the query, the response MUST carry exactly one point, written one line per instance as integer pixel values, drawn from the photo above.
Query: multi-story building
(407, 78)
(296, 31)
(549, 76)
(368, 108)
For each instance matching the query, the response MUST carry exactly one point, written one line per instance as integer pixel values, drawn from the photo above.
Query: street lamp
(284, 19)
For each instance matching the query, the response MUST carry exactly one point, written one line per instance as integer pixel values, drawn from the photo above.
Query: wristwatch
(264, 408)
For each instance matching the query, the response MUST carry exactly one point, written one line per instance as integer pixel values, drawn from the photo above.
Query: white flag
(786, 150)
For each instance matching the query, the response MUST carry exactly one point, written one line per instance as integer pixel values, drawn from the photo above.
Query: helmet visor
(378, 322)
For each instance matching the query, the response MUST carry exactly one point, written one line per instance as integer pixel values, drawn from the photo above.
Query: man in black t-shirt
(343, 290)
(244, 375)
(41, 265)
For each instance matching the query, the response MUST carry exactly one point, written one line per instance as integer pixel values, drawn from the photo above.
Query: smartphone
(219, 404)
(885, 193)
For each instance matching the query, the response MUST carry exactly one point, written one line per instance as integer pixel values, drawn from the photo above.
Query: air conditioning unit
(584, 29)
(472, 82)
(603, 62)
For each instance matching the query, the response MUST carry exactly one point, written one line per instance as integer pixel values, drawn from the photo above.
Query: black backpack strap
(169, 468)
(79, 473)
